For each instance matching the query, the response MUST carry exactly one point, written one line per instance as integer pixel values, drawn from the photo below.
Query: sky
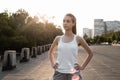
(85, 11)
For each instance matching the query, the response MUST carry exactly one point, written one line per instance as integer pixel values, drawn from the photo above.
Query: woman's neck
(68, 33)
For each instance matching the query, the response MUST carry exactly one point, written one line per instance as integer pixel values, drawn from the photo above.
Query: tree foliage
(109, 37)
(19, 30)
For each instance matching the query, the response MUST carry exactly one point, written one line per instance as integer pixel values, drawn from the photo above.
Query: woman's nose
(65, 23)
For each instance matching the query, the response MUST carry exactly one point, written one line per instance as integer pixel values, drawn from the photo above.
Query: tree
(87, 39)
(20, 17)
(114, 36)
(19, 30)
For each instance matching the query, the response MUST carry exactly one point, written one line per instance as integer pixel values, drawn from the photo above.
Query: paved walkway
(36, 69)
(100, 67)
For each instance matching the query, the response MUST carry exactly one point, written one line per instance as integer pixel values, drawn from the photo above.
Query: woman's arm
(51, 51)
(83, 43)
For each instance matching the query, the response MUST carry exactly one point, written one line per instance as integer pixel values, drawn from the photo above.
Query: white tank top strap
(75, 38)
(60, 40)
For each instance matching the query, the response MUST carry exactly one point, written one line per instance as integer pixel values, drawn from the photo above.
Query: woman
(66, 67)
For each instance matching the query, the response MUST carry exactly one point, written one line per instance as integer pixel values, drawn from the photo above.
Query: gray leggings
(64, 76)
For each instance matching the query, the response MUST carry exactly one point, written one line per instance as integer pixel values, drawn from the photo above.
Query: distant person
(66, 66)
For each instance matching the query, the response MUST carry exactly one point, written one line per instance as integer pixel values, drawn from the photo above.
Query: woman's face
(68, 23)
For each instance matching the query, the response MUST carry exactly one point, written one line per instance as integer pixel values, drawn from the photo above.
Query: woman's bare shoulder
(57, 38)
(78, 37)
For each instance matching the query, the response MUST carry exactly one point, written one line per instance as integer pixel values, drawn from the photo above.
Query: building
(113, 25)
(88, 32)
(99, 27)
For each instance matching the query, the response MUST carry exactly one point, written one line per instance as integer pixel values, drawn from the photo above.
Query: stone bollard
(49, 46)
(25, 55)
(45, 47)
(39, 50)
(9, 62)
(42, 49)
(34, 52)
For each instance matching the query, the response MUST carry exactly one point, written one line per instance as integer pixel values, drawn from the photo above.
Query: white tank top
(67, 55)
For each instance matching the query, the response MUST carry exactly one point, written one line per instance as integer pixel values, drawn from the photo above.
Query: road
(104, 65)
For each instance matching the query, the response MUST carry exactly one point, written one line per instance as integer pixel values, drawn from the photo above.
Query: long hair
(74, 21)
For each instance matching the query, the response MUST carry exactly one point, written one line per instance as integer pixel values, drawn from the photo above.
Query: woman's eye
(68, 21)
